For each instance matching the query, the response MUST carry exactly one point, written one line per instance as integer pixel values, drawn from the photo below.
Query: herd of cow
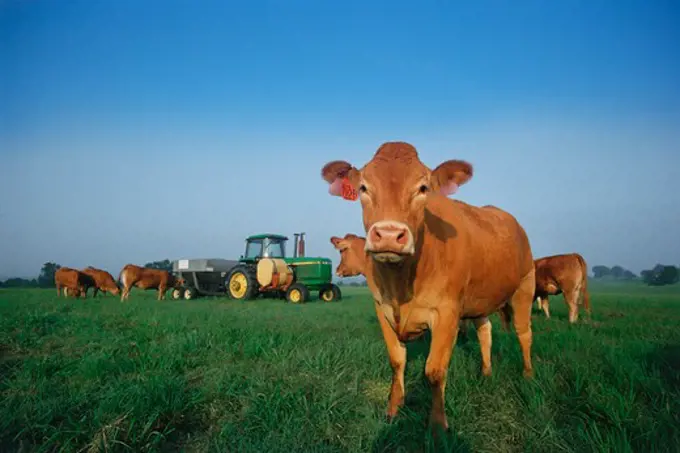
(434, 263)
(431, 263)
(78, 282)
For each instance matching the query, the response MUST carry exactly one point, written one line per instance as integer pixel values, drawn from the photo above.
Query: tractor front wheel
(177, 293)
(297, 294)
(190, 293)
(242, 283)
(330, 293)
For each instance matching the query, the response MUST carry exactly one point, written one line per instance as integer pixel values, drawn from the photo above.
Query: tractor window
(274, 250)
(254, 249)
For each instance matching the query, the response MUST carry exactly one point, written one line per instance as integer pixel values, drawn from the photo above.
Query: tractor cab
(265, 246)
(271, 246)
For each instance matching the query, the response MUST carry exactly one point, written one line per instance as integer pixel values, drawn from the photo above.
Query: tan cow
(435, 261)
(104, 281)
(567, 274)
(147, 278)
(73, 281)
(354, 261)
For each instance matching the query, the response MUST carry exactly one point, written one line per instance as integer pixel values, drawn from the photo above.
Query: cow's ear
(450, 175)
(342, 178)
(335, 241)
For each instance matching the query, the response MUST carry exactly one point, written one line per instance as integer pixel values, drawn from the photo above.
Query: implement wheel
(297, 294)
(329, 293)
(242, 283)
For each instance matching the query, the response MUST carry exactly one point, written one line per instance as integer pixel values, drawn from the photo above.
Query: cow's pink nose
(388, 237)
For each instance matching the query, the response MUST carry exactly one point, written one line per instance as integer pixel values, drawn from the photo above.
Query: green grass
(265, 376)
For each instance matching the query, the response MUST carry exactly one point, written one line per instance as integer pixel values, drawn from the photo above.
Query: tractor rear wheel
(242, 283)
(297, 294)
(330, 292)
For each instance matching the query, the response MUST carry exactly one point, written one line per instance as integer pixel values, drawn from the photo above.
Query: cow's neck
(395, 283)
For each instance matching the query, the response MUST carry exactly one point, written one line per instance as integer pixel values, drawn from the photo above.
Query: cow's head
(352, 255)
(113, 288)
(176, 282)
(393, 188)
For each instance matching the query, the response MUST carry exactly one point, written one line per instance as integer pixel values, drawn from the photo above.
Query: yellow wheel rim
(327, 295)
(238, 285)
(295, 296)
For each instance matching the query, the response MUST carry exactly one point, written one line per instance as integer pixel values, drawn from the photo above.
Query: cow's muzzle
(389, 241)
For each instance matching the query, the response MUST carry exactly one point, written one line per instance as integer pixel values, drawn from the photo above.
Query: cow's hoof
(486, 371)
(528, 374)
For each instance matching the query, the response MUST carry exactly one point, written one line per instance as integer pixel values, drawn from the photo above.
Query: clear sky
(135, 131)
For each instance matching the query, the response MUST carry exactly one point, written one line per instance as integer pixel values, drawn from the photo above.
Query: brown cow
(566, 274)
(72, 279)
(147, 278)
(435, 261)
(104, 281)
(354, 260)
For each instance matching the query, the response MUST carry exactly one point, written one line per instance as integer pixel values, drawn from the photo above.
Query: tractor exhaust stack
(295, 247)
(301, 245)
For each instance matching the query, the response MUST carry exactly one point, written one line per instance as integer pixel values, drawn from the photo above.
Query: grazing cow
(147, 278)
(104, 281)
(566, 274)
(435, 261)
(72, 280)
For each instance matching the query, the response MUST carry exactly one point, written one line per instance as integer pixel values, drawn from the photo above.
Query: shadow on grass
(666, 360)
(410, 433)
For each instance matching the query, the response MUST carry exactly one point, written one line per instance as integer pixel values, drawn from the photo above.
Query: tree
(46, 278)
(601, 271)
(617, 272)
(165, 265)
(628, 275)
(661, 275)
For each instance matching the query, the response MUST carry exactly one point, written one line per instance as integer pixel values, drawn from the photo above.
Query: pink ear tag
(348, 192)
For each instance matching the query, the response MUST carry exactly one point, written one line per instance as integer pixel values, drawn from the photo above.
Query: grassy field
(265, 376)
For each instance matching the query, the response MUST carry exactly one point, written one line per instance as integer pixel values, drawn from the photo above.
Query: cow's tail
(584, 284)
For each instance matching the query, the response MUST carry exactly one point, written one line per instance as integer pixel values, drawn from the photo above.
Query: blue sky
(134, 131)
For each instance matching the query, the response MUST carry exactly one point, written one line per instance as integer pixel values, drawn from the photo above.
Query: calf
(434, 261)
(72, 280)
(566, 274)
(104, 281)
(147, 278)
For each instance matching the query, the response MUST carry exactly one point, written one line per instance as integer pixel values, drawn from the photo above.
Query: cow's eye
(362, 188)
(423, 189)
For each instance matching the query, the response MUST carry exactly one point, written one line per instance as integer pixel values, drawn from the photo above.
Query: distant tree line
(165, 265)
(46, 277)
(614, 273)
(658, 276)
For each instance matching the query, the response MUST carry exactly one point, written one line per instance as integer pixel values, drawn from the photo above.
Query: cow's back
(102, 278)
(144, 277)
(65, 276)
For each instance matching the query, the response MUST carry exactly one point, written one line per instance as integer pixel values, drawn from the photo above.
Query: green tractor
(264, 269)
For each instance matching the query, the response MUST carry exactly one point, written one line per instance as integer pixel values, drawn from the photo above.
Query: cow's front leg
(397, 354)
(161, 292)
(444, 334)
